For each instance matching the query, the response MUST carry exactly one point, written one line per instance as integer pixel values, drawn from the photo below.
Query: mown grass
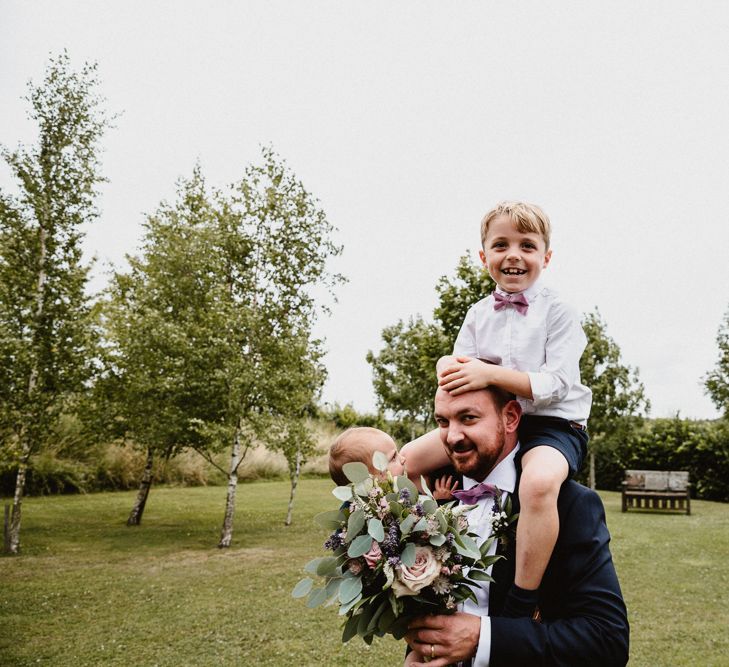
(87, 590)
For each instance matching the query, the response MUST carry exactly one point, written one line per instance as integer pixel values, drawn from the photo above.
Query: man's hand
(444, 488)
(445, 639)
(465, 374)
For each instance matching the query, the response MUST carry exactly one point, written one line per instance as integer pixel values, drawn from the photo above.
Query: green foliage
(701, 447)
(456, 295)
(212, 323)
(618, 396)
(403, 371)
(717, 381)
(48, 338)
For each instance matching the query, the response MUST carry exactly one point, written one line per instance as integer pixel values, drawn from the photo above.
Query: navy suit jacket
(584, 620)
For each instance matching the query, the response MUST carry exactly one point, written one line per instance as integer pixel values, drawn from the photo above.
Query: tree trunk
(13, 540)
(294, 484)
(226, 535)
(592, 470)
(135, 516)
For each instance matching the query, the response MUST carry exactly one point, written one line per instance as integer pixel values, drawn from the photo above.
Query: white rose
(410, 580)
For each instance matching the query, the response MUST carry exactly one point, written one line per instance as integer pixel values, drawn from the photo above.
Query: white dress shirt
(504, 477)
(546, 343)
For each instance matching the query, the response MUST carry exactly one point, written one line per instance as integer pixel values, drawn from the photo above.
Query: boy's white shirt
(546, 343)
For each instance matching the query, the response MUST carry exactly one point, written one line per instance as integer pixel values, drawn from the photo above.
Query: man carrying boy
(584, 620)
(525, 340)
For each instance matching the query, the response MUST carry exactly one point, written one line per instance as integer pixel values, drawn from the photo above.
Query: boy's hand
(444, 488)
(466, 374)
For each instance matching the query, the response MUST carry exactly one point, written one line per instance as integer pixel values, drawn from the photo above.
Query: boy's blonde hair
(351, 445)
(527, 217)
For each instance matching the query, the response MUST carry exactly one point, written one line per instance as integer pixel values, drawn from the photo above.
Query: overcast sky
(408, 120)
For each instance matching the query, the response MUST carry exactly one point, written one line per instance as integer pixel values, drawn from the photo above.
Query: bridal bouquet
(395, 555)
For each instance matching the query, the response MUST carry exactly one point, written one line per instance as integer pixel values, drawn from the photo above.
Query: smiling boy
(531, 342)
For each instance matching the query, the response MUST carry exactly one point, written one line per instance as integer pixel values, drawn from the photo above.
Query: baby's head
(515, 238)
(360, 443)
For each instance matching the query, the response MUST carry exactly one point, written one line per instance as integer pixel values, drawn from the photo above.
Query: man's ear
(512, 416)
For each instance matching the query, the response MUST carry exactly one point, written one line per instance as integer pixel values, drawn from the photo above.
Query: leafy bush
(701, 447)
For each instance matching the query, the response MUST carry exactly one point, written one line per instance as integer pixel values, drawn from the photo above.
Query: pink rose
(410, 580)
(372, 557)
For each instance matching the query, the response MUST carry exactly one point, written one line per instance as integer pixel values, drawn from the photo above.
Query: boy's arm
(467, 374)
(424, 455)
(565, 344)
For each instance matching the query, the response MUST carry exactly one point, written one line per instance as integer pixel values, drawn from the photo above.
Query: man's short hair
(529, 218)
(500, 396)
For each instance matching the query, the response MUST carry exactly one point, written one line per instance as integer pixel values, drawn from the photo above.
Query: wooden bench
(657, 489)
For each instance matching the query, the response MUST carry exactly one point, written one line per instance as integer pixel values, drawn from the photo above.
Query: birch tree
(47, 342)
(212, 324)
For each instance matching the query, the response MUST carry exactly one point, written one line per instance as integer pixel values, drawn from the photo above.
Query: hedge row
(701, 447)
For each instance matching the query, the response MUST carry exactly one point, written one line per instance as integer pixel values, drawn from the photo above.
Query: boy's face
(514, 259)
(385, 444)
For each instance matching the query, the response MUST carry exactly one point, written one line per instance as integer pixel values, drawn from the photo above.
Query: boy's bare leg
(544, 469)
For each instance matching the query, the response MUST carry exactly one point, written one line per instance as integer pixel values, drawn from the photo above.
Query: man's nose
(454, 434)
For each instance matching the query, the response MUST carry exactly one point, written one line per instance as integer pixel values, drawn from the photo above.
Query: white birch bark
(135, 516)
(226, 535)
(294, 484)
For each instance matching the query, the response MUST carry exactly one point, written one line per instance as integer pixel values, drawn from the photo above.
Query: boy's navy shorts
(563, 435)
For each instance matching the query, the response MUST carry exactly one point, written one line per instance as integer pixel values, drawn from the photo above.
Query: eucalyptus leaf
(350, 589)
(364, 487)
(360, 546)
(430, 506)
(475, 555)
(407, 557)
(379, 461)
(406, 525)
(442, 523)
(437, 540)
(355, 471)
(342, 493)
(303, 588)
(331, 519)
(345, 608)
(396, 509)
(355, 524)
(403, 482)
(424, 486)
(317, 597)
(327, 566)
(374, 528)
(421, 525)
(312, 565)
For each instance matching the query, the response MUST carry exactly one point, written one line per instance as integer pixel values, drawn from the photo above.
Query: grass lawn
(87, 590)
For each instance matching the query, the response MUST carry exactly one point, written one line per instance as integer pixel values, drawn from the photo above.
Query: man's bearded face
(473, 431)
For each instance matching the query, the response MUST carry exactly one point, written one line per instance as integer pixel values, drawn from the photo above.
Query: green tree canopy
(403, 371)
(716, 382)
(47, 338)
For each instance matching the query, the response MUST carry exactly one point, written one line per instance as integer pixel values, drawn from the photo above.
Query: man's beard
(486, 458)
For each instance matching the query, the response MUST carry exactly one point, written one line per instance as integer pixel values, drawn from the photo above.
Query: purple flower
(418, 509)
(405, 497)
(394, 561)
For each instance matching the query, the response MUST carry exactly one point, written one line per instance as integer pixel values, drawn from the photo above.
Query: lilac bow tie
(519, 301)
(475, 493)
